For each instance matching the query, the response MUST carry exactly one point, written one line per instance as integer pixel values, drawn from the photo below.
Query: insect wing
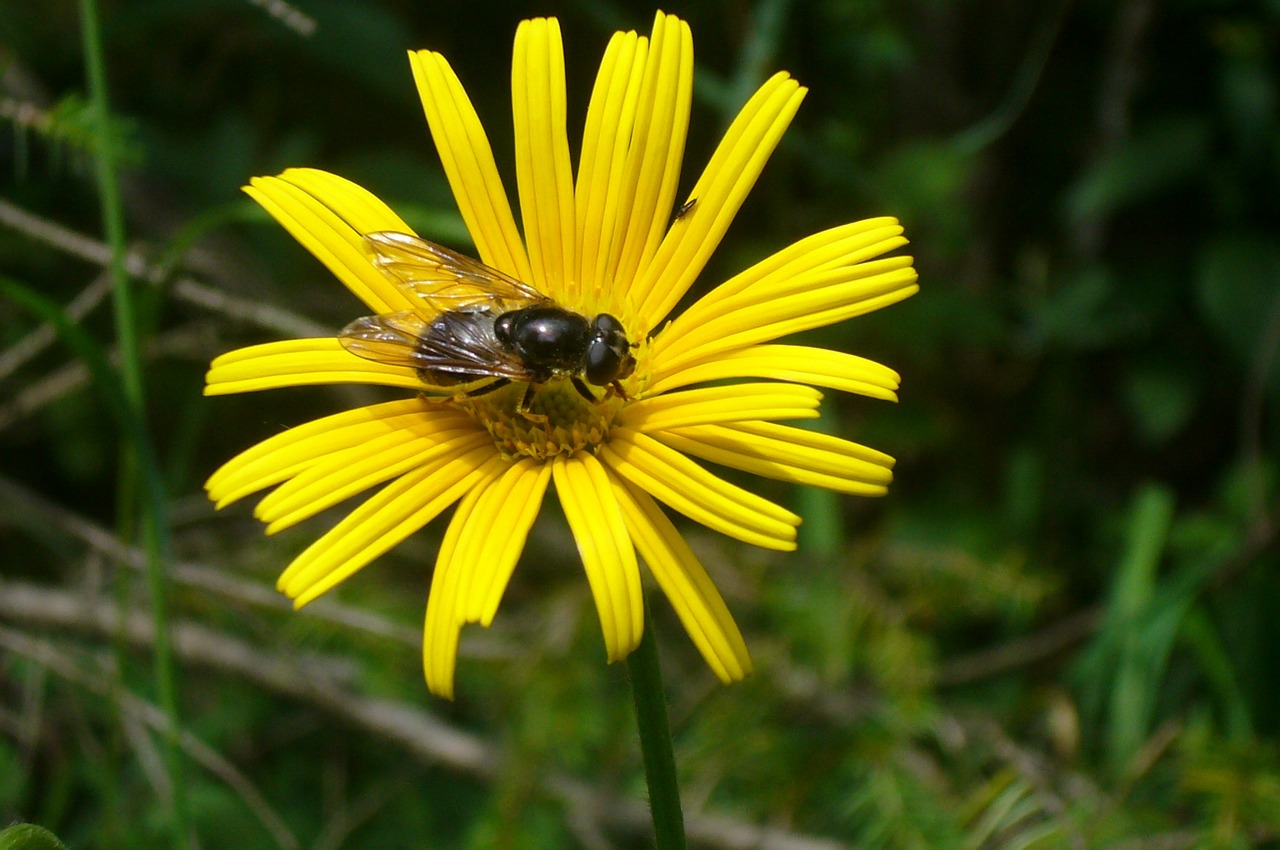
(464, 344)
(459, 345)
(445, 279)
(393, 339)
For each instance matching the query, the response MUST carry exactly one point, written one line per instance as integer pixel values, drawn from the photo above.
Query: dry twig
(138, 710)
(184, 289)
(419, 732)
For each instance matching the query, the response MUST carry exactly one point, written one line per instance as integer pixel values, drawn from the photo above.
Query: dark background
(1058, 630)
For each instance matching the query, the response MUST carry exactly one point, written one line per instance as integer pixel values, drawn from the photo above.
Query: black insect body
(486, 324)
(552, 340)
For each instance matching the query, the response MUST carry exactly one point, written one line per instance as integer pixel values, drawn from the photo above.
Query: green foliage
(26, 836)
(67, 132)
(1057, 631)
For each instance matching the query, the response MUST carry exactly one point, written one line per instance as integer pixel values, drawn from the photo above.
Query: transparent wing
(460, 346)
(445, 279)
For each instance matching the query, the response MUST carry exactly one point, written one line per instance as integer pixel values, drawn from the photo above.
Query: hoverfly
(482, 323)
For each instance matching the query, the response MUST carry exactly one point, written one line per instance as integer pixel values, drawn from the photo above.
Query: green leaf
(28, 836)
(1160, 156)
(1160, 400)
(1238, 290)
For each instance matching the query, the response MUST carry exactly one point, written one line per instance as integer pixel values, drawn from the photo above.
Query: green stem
(147, 479)
(112, 208)
(655, 742)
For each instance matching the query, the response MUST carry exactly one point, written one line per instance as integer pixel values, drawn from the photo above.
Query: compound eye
(603, 363)
(608, 357)
(606, 326)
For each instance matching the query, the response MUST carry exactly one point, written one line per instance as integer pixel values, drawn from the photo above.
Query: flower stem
(140, 471)
(655, 742)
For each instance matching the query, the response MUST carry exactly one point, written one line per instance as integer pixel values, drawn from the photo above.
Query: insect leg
(488, 388)
(523, 407)
(583, 389)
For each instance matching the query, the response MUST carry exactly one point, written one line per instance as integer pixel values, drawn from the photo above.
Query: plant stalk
(655, 742)
(146, 475)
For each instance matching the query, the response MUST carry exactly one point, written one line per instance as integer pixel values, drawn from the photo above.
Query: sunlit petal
(686, 584)
(651, 169)
(344, 474)
(284, 455)
(468, 164)
(494, 538)
(385, 519)
(824, 367)
(732, 403)
(443, 623)
(719, 192)
(787, 454)
(606, 138)
(297, 363)
(688, 488)
(357, 206)
(543, 170)
(607, 553)
(763, 314)
(323, 224)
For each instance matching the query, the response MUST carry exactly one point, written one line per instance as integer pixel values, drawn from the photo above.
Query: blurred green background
(1060, 629)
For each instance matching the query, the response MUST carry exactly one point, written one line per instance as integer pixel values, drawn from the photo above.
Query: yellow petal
(608, 555)
(810, 301)
(468, 164)
(787, 454)
(838, 247)
(732, 403)
(606, 137)
(319, 213)
(686, 584)
(357, 206)
(443, 622)
(719, 193)
(823, 367)
(543, 171)
(285, 454)
(651, 170)
(345, 473)
(493, 540)
(297, 363)
(385, 519)
(680, 483)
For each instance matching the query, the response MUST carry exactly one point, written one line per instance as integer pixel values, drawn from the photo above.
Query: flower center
(555, 418)
(545, 420)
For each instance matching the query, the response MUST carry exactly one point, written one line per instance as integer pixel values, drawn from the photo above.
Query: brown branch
(1071, 630)
(1045, 643)
(56, 660)
(182, 288)
(42, 337)
(298, 21)
(33, 509)
(420, 733)
(1118, 88)
(74, 375)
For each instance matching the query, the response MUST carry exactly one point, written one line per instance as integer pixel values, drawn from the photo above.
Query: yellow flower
(612, 241)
